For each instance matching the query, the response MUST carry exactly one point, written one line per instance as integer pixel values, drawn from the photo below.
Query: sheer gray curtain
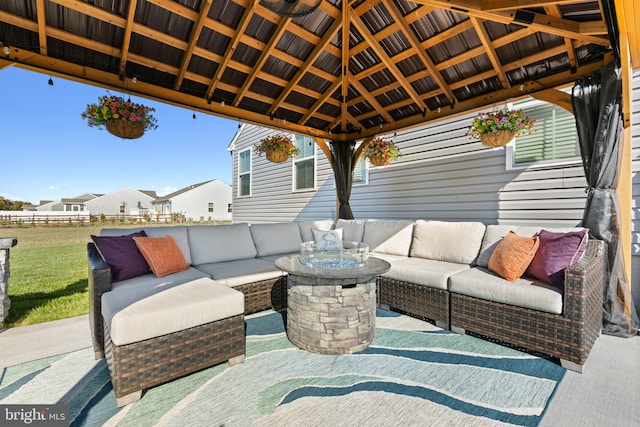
(342, 162)
(596, 105)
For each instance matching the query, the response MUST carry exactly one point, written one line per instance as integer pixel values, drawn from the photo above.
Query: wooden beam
(325, 149)
(386, 60)
(344, 86)
(233, 44)
(624, 186)
(489, 50)
(193, 40)
(519, 4)
(42, 26)
(537, 21)
(557, 97)
(422, 54)
(126, 39)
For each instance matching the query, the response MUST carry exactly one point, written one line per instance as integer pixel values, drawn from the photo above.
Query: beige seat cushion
(422, 271)
(481, 283)
(138, 314)
(241, 272)
(149, 280)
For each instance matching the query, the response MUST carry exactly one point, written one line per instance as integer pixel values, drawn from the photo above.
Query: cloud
(9, 196)
(52, 187)
(167, 190)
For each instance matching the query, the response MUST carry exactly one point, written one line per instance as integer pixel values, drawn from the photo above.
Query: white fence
(33, 218)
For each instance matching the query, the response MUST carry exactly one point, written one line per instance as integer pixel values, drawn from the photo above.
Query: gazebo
(338, 71)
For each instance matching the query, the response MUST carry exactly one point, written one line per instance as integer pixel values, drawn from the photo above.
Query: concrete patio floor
(606, 394)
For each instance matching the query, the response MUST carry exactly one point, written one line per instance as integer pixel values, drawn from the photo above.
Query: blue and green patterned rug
(412, 374)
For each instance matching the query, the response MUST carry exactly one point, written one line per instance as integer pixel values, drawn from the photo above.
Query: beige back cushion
(276, 238)
(391, 237)
(218, 243)
(447, 241)
(352, 229)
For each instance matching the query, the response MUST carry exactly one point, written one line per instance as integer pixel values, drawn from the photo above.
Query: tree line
(10, 205)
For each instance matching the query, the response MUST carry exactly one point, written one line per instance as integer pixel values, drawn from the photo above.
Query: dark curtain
(342, 162)
(596, 105)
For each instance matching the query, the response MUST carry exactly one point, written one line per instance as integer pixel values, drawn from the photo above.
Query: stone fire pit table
(331, 310)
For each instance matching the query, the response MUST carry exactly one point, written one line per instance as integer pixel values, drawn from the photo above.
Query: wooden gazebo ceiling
(399, 64)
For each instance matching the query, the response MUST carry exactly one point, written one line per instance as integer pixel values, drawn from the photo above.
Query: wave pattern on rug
(412, 374)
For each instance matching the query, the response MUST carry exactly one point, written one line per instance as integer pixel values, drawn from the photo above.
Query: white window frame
(511, 154)
(249, 172)
(365, 170)
(297, 159)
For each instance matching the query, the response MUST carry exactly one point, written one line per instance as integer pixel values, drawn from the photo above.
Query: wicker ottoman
(153, 336)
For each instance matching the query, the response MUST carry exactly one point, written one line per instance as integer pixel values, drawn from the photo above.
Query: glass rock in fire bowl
(351, 255)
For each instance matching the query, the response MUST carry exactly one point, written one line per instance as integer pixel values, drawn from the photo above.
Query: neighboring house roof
(149, 193)
(73, 200)
(177, 193)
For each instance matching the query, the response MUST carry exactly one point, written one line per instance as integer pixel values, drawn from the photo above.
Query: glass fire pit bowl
(351, 255)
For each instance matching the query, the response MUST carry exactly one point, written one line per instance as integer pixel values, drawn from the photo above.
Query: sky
(48, 151)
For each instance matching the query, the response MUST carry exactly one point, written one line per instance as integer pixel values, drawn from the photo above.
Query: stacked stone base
(5, 302)
(331, 316)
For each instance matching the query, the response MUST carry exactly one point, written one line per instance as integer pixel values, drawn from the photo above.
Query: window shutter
(556, 136)
(359, 171)
(304, 174)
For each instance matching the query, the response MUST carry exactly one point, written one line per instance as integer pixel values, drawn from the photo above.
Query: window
(556, 139)
(244, 173)
(122, 206)
(304, 164)
(210, 207)
(359, 175)
(229, 208)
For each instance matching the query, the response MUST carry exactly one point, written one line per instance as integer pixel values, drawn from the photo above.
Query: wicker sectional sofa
(438, 273)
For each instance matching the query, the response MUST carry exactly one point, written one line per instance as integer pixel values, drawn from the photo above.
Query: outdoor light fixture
(50, 81)
(6, 50)
(291, 8)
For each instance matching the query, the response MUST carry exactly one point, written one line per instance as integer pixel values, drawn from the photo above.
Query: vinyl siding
(272, 196)
(635, 203)
(442, 175)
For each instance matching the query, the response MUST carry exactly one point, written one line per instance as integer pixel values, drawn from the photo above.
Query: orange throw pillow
(162, 254)
(512, 256)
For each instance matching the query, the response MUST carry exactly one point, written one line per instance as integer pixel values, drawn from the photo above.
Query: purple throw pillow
(122, 255)
(556, 252)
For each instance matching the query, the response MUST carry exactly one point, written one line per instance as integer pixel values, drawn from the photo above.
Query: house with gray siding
(74, 204)
(442, 174)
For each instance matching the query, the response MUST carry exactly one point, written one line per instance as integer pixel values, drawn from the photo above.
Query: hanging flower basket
(277, 156)
(381, 152)
(124, 119)
(278, 148)
(497, 139)
(380, 160)
(124, 129)
(497, 128)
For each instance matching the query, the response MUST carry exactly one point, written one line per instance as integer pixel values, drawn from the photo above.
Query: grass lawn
(48, 273)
